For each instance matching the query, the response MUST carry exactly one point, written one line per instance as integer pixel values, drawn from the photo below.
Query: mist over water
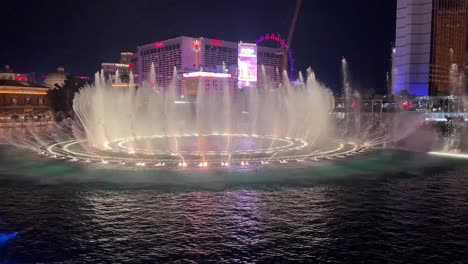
(107, 113)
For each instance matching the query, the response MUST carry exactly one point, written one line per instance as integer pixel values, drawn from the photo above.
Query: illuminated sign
(159, 44)
(20, 78)
(217, 42)
(207, 74)
(196, 45)
(247, 64)
(273, 37)
(283, 44)
(115, 64)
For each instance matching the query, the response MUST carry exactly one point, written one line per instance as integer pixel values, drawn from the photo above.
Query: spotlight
(74, 159)
(122, 163)
(205, 164)
(104, 161)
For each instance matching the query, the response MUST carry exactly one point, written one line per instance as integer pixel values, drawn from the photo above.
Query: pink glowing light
(196, 45)
(159, 44)
(283, 44)
(405, 105)
(207, 74)
(217, 42)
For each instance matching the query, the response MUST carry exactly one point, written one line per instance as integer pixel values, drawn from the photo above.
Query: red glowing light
(130, 66)
(405, 105)
(196, 45)
(217, 42)
(20, 78)
(354, 105)
(159, 44)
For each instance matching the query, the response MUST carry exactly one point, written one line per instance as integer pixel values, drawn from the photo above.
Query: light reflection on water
(416, 215)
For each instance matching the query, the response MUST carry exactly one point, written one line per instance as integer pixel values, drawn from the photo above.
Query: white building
(188, 54)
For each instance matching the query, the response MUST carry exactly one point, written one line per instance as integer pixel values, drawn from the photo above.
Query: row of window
(27, 101)
(220, 49)
(161, 49)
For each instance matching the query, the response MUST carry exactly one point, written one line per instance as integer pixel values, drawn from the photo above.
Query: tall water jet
(131, 80)
(346, 86)
(152, 77)
(254, 123)
(117, 77)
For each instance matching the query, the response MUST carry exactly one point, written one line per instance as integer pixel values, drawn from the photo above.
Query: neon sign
(217, 42)
(20, 78)
(207, 74)
(196, 45)
(283, 44)
(247, 64)
(247, 51)
(159, 44)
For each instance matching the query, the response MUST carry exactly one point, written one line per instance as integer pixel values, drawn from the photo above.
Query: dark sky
(40, 35)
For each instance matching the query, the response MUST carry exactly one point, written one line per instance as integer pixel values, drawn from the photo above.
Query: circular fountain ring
(203, 150)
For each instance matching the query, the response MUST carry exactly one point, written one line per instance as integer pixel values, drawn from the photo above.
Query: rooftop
(21, 84)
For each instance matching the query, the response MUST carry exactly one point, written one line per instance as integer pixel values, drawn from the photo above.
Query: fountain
(157, 127)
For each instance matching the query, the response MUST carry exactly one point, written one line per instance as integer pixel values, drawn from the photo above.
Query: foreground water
(384, 207)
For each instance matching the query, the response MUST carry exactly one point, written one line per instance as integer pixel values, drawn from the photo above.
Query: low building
(22, 102)
(7, 73)
(210, 82)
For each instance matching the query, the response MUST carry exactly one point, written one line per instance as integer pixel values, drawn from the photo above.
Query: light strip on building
(207, 74)
(22, 92)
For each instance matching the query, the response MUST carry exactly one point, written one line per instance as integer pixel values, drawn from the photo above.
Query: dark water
(387, 207)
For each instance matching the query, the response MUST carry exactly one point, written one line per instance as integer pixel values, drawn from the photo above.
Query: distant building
(124, 67)
(56, 78)
(430, 36)
(8, 74)
(188, 54)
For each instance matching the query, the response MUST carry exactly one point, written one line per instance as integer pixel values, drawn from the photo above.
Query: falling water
(117, 76)
(152, 78)
(107, 114)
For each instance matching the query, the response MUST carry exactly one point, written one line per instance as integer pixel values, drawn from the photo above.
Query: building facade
(188, 54)
(22, 102)
(431, 35)
(124, 67)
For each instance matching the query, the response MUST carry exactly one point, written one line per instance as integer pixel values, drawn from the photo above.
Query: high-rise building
(431, 35)
(188, 54)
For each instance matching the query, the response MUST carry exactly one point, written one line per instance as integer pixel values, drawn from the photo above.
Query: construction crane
(291, 34)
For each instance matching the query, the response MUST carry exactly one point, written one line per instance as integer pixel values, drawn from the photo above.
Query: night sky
(38, 36)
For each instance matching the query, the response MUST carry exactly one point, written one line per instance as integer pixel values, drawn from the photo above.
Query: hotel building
(188, 54)
(431, 35)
